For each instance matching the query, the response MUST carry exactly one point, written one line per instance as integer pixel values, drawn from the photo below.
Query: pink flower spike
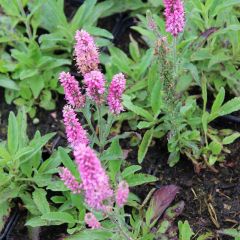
(95, 85)
(116, 90)
(72, 90)
(174, 12)
(95, 181)
(92, 221)
(75, 132)
(86, 52)
(69, 180)
(122, 193)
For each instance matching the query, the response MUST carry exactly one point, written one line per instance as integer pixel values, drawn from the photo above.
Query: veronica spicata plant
(168, 111)
(95, 186)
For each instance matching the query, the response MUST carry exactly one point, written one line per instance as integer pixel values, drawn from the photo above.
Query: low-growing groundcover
(208, 199)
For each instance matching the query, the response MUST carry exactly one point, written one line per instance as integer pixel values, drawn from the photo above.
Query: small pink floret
(122, 193)
(92, 221)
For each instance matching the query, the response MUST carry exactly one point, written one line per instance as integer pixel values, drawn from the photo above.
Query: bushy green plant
(186, 232)
(31, 63)
(25, 178)
(167, 110)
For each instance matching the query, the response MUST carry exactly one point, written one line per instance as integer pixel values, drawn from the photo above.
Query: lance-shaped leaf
(161, 199)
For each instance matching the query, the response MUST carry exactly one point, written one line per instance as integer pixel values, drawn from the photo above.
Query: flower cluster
(116, 90)
(122, 193)
(75, 132)
(72, 91)
(86, 52)
(174, 12)
(95, 85)
(94, 181)
(69, 180)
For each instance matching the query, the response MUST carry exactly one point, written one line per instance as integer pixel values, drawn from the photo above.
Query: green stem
(175, 57)
(89, 122)
(120, 227)
(108, 127)
(100, 128)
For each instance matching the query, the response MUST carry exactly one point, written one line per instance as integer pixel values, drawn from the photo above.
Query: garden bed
(212, 198)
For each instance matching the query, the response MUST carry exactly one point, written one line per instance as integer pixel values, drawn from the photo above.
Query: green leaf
(57, 186)
(52, 15)
(223, 6)
(58, 199)
(134, 49)
(212, 159)
(4, 213)
(205, 236)
(37, 143)
(29, 203)
(204, 92)
(114, 152)
(218, 58)
(143, 148)
(231, 232)
(68, 162)
(205, 120)
(39, 197)
(37, 85)
(12, 140)
(130, 170)
(23, 151)
(143, 65)
(231, 106)
(36, 222)
(217, 104)
(143, 124)
(152, 76)
(8, 83)
(4, 154)
(58, 218)
(93, 234)
(138, 110)
(51, 163)
(230, 139)
(185, 231)
(202, 54)
(4, 178)
(139, 179)
(215, 147)
(121, 60)
(173, 158)
(9, 193)
(116, 155)
(99, 32)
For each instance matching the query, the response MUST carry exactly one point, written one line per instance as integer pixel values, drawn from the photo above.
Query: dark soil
(212, 200)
